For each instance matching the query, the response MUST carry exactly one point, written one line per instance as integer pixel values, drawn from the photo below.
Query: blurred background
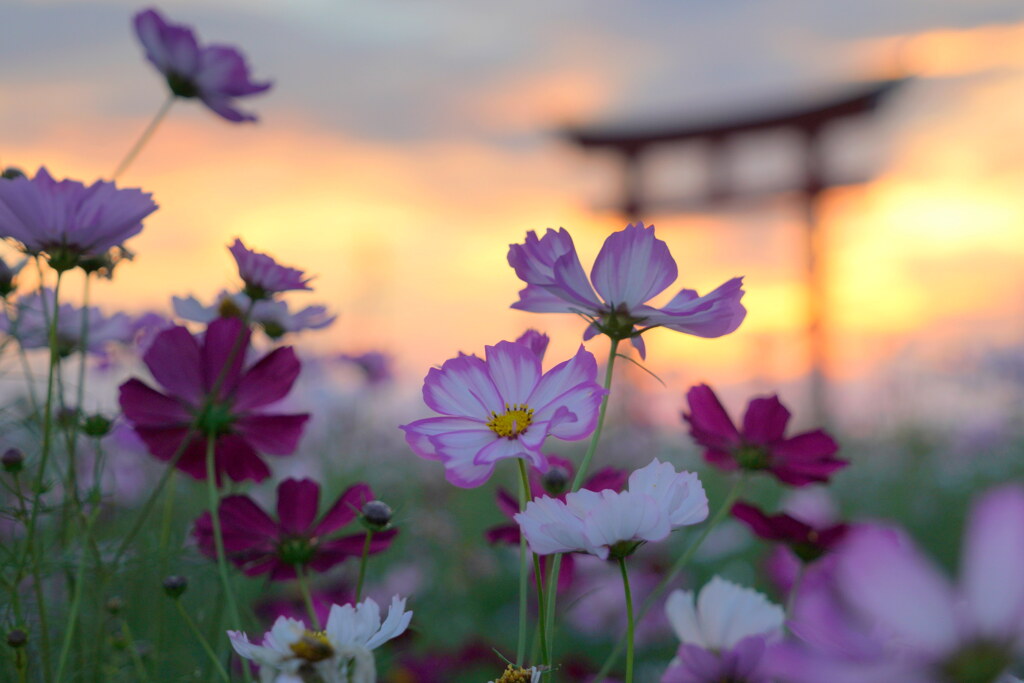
(405, 145)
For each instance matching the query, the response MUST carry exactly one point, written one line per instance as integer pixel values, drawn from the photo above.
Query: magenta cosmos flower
(761, 444)
(503, 407)
(216, 74)
(262, 275)
(632, 267)
(67, 220)
(256, 544)
(188, 368)
(889, 614)
(807, 542)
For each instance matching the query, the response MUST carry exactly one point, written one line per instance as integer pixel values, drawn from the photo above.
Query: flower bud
(66, 418)
(376, 515)
(7, 274)
(11, 172)
(556, 480)
(114, 605)
(13, 460)
(96, 425)
(175, 585)
(17, 638)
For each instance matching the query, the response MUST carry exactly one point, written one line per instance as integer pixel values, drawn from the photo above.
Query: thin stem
(218, 537)
(524, 569)
(556, 563)
(76, 602)
(202, 641)
(307, 598)
(540, 610)
(677, 567)
(362, 565)
(144, 138)
(630, 627)
(133, 652)
(165, 523)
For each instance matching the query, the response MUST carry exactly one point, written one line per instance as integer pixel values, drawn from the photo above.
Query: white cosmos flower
(724, 614)
(659, 500)
(341, 653)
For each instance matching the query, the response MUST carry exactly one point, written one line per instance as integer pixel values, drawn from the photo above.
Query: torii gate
(631, 143)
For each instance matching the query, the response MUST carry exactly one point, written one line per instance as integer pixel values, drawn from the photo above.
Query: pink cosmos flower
(658, 500)
(31, 325)
(262, 275)
(256, 544)
(273, 316)
(537, 341)
(887, 614)
(503, 407)
(761, 445)
(68, 220)
(188, 368)
(632, 267)
(216, 74)
(375, 366)
(723, 634)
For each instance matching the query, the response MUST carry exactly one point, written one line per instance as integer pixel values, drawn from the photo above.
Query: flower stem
(202, 641)
(144, 138)
(303, 579)
(556, 563)
(76, 602)
(677, 567)
(524, 569)
(630, 627)
(362, 565)
(140, 667)
(542, 632)
(218, 537)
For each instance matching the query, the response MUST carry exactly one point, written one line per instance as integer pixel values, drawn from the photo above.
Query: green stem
(307, 597)
(202, 641)
(540, 609)
(677, 567)
(218, 538)
(362, 565)
(165, 523)
(76, 602)
(144, 138)
(133, 651)
(524, 569)
(556, 563)
(630, 627)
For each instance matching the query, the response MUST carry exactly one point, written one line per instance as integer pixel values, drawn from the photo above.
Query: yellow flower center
(313, 646)
(511, 423)
(516, 674)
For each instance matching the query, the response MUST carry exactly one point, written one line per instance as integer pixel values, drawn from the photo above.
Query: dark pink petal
(297, 503)
(353, 544)
(505, 533)
(507, 503)
(710, 425)
(607, 478)
(462, 388)
(807, 446)
(145, 406)
(174, 360)
(245, 525)
(273, 434)
(345, 509)
(800, 473)
(632, 266)
(721, 460)
(267, 381)
(226, 338)
(237, 459)
(772, 528)
(765, 420)
(163, 442)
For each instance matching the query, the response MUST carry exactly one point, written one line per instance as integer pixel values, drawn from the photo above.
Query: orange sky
(408, 239)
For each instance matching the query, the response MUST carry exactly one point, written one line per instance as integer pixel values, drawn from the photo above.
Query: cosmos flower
(188, 369)
(375, 365)
(761, 444)
(262, 275)
(273, 316)
(632, 267)
(723, 634)
(256, 544)
(503, 407)
(887, 613)
(341, 653)
(808, 542)
(31, 325)
(216, 74)
(68, 220)
(658, 500)
(518, 674)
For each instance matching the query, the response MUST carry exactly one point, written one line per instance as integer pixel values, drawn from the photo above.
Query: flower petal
(345, 509)
(297, 503)
(992, 560)
(418, 434)
(267, 381)
(462, 388)
(273, 434)
(632, 266)
(765, 420)
(174, 360)
(514, 369)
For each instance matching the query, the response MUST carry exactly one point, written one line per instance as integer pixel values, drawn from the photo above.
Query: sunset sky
(405, 145)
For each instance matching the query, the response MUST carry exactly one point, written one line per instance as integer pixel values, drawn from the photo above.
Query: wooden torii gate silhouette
(632, 144)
